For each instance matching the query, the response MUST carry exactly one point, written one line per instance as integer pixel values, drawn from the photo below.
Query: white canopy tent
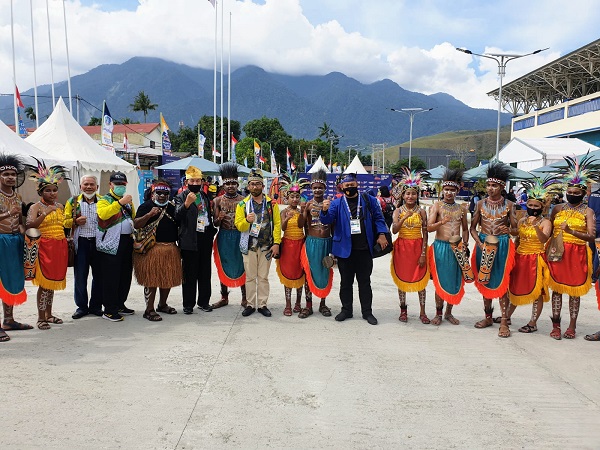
(61, 136)
(529, 154)
(319, 164)
(12, 144)
(356, 167)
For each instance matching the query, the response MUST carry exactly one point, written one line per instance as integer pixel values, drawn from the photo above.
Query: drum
(460, 252)
(30, 253)
(488, 254)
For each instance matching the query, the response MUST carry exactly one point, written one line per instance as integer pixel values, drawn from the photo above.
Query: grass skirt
(404, 265)
(160, 267)
(51, 266)
(528, 279)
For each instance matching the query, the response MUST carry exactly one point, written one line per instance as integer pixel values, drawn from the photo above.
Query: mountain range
(360, 112)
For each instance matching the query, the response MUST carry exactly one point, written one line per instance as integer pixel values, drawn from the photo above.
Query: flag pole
(35, 93)
(229, 94)
(222, 136)
(215, 88)
(68, 61)
(51, 60)
(12, 34)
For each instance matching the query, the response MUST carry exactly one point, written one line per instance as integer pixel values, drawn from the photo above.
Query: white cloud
(411, 43)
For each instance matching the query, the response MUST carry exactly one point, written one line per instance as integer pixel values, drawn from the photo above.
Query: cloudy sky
(410, 42)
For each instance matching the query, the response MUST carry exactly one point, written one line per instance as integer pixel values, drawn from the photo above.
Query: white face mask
(89, 196)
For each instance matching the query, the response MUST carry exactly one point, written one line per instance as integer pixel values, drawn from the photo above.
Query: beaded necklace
(494, 210)
(452, 211)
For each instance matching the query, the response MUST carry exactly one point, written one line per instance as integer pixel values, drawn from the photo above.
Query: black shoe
(96, 312)
(188, 310)
(264, 311)
(79, 313)
(113, 317)
(124, 311)
(371, 319)
(206, 308)
(343, 315)
(248, 310)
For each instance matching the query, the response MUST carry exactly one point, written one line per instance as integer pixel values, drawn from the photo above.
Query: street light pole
(350, 147)
(501, 59)
(411, 112)
(331, 139)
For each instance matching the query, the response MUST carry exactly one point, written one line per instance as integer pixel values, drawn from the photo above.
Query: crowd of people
(165, 243)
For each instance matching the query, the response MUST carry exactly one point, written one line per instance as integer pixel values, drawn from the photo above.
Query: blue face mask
(157, 203)
(119, 190)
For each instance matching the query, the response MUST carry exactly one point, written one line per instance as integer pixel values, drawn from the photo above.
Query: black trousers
(197, 268)
(360, 263)
(87, 256)
(116, 272)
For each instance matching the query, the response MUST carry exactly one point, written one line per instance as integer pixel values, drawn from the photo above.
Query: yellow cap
(193, 173)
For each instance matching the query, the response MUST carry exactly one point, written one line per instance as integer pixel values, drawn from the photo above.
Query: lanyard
(264, 206)
(357, 207)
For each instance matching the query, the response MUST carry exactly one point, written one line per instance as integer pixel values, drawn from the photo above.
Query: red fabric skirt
(289, 266)
(572, 274)
(51, 271)
(405, 265)
(527, 279)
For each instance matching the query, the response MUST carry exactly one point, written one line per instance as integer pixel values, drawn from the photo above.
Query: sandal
(167, 309)
(437, 320)
(403, 316)
(15, 326)
(555, 333)
(484, 323)
(324, 309)
(42, 325)
(453, 320)
(219, 304)
(54, 320)
(305, 313)
(499, 320)
(504, 331)
(528, 329)
(3, 336)
(152, 316)
(424, 319)
(297, 308)
(287, 311)
(569, 333)
(592, 337)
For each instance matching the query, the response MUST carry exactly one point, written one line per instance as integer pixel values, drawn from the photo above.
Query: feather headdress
(12, 162)
(289, 183)
(320, 176)
(229, 172)
(410, 179)
(452, 178)
(498, 172)
(579, 173)
(541, 189)
(45, 176)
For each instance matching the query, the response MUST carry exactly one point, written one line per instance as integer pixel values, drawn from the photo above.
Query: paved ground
(219, 380)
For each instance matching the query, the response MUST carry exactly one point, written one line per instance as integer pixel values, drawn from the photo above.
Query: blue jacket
(338, 213)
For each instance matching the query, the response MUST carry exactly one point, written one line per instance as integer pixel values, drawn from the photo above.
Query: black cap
(118, 177)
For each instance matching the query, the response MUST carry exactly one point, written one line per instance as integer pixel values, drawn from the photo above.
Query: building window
(584, 107)
(551, 116)
(523, 123)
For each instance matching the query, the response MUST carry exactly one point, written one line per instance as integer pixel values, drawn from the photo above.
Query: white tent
(61, 136)
(13, 144)
(356, 166)
(319, 164)
(530, 154)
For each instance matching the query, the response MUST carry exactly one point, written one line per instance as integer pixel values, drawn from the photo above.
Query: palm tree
(326, 131)
(30, 113)
(142, 102)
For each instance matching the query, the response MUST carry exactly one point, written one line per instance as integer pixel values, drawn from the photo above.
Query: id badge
(255, 229)
(201, 224)
(355, 226)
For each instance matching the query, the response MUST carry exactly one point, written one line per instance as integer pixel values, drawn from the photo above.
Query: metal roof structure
(571, 76)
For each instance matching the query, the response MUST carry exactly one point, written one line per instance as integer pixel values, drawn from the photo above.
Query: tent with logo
(62, 137)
